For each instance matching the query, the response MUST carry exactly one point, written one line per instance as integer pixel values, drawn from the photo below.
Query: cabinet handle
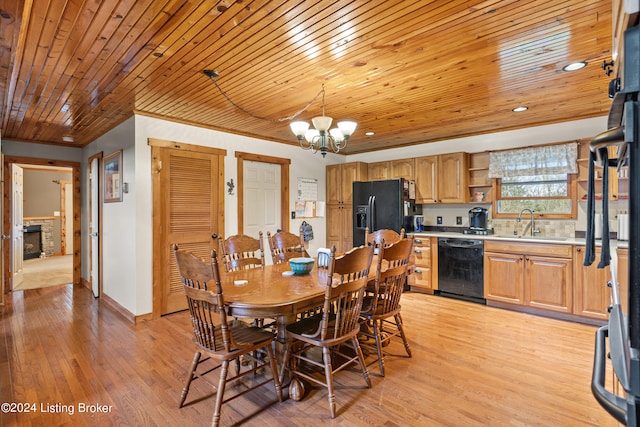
(418, 251)
(578, 250)
(418, 271)
(417, 241)
(526, 259)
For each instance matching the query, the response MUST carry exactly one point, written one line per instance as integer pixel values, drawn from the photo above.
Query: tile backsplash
(548, 227)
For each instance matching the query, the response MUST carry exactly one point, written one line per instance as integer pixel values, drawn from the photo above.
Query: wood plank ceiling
(410, 71)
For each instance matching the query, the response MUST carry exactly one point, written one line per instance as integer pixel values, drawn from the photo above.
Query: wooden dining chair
(336, 324)
(376, 237)
(241, 252)
(220, 339)
(285, 245)
(381, 307)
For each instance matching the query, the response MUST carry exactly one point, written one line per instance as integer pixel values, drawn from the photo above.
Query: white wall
(120, 222)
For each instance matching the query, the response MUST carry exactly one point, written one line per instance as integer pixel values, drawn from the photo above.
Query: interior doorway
(55, 222)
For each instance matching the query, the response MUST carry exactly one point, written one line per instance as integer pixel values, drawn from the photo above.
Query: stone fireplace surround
(47, 233)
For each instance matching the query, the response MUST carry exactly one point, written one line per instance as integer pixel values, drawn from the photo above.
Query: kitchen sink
(511, 236)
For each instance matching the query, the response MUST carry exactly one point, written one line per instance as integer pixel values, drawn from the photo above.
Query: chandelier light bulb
(321, 137)
(322, 123)
(347, 128)
(299, 129)
(337, 135)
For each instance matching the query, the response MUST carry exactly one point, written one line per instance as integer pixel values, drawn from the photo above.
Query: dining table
(273, 291)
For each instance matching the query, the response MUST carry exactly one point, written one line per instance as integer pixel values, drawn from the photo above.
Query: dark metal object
(461, 269)
(623, 334)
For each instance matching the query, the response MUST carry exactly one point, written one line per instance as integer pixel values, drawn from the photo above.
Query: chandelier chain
(272, 120)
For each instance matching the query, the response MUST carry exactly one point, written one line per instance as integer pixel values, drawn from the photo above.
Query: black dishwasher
(461, 269)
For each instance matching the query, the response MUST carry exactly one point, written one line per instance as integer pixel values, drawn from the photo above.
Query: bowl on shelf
(301, 265)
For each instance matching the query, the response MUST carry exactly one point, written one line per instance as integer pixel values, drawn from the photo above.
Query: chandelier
(320, 137)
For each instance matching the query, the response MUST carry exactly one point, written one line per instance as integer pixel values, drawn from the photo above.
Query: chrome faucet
(532, 224)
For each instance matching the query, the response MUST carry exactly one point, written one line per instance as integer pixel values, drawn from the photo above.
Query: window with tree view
(539, 178)
(548, 194)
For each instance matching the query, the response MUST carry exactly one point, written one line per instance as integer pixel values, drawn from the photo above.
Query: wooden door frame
(284, 185)
(63, 215)
(6, 226)
(100, 195)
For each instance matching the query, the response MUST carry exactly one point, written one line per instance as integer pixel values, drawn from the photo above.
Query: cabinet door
(334, 225)
(403, 168)
(334, 185)
(355, 171)
(592, 296)
(503, 277)
(347, 229)
(379, 171)
(549, 283)
(452, 178)
(426, 182)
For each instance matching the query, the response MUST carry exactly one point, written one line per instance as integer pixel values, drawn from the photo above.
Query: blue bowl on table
(301, 265)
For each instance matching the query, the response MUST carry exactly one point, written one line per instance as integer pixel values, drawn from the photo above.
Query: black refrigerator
(388, 204)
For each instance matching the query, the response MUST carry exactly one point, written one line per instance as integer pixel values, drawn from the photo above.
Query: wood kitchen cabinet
(391, 169)
(442, 178)
(339, 227)
(480, 185)
(592, 296)
(377, 171)
(623, 278)
(339, 207)
(424, 274)
(533, 275)
(403, 168)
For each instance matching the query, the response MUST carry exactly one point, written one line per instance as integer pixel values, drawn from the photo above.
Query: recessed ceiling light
(64, 108)
(369, 133)
(67, 138)
(519, 109)
(574, 66)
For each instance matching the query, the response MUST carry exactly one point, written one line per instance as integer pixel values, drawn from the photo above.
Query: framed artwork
(113, 177)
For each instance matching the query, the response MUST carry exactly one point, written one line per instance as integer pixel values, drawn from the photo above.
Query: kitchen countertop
(579, 241)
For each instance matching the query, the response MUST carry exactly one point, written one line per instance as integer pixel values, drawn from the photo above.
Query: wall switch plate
(293, 214)
(459, 220)
(439, 220)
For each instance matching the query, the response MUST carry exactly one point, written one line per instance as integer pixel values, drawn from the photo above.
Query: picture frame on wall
(113, 177)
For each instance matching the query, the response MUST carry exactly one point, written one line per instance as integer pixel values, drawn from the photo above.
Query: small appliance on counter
(418, 222)
(478, 222)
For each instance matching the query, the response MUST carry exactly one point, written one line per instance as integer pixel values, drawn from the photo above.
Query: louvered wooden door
(190, 210)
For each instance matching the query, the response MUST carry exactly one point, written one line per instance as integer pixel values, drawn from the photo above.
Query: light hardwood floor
(471, 365)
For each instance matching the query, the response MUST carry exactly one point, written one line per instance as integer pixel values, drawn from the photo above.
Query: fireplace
(32, 241)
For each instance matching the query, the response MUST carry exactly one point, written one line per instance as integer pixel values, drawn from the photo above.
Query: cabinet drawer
(561, 251)
(422, 277)
(422, 256)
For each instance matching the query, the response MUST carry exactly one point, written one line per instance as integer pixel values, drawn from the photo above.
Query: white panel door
(94, 227)
(261, 202)
(17, 226)
(68, 218)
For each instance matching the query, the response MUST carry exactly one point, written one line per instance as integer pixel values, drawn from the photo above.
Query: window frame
(572, 180)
